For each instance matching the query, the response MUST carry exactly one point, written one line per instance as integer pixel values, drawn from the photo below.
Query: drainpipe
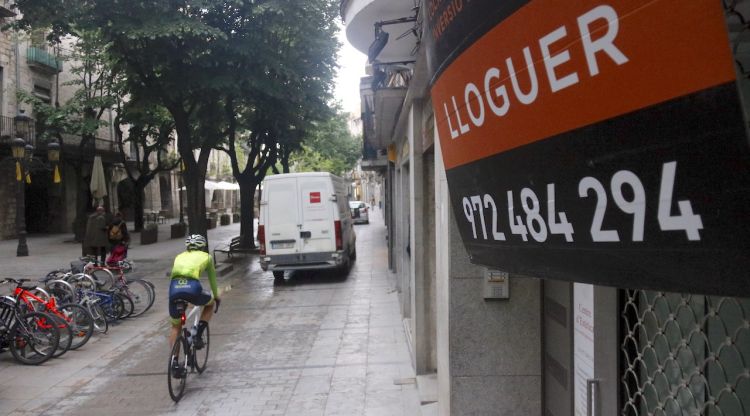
(18, 70)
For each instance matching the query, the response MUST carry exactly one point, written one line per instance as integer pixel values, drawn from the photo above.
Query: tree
(330, 147)
(150, 130)
(296, 42)
(98, 86)
(213, 64)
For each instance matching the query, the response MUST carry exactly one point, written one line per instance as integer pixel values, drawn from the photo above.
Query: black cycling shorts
(189, 290)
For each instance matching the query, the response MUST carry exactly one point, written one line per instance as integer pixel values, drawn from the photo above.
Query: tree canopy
(329, 147)
(251, 73)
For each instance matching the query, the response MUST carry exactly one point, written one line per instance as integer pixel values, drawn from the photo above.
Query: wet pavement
(316, 344)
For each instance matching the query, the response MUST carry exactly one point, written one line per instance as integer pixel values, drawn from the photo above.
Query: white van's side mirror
(334, 198)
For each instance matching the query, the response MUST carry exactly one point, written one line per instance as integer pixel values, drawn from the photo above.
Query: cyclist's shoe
(177, 371)
(199, 343)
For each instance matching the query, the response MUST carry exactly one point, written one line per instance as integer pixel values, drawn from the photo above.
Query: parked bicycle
(56, 283)
(28, 335)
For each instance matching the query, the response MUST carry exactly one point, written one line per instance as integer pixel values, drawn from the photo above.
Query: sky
(351, 69)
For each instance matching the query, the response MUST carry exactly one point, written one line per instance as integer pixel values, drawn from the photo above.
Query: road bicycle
(27, 335)
(184, 354)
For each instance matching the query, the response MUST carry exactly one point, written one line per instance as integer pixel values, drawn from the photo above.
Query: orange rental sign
(556, 65)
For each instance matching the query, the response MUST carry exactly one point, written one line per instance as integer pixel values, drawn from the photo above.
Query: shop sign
(602, 143)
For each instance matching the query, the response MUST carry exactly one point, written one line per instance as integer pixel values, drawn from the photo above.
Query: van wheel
(278, 275)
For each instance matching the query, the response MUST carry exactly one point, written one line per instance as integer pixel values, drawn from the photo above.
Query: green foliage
(330, 147)
(252, 74)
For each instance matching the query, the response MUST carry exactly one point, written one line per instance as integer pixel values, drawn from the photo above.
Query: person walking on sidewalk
(95, 241)
(117, 231)
(185, 285)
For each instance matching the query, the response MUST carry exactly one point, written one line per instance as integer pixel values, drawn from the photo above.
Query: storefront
(603, 147)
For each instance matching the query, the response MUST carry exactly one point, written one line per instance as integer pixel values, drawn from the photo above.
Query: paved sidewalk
(54, 251)
(315, 345)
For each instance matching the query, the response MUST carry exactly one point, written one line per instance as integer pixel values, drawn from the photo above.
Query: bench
(232, 248)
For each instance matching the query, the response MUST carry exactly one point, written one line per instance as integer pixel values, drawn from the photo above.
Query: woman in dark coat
(95, 239)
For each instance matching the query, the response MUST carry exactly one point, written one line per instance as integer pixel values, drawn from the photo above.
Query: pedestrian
(117, 231)
(119, 238)
(372, 202)
(96, 240)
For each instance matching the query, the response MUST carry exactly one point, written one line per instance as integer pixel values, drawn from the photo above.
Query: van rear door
(282, 216)
(317, 232)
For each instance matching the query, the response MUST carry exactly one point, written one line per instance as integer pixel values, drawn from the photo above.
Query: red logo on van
(314, 197)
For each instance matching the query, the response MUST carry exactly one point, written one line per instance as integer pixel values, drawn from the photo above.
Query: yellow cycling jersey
(191, 264)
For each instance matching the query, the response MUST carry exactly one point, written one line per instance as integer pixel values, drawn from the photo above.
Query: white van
(305, 223)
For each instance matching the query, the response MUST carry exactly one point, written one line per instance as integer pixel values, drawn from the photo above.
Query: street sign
(599, 143)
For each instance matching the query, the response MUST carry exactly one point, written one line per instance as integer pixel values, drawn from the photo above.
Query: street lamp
(23, 154)
(19, 154)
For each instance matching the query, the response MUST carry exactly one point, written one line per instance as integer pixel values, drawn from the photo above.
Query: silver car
(360, 212)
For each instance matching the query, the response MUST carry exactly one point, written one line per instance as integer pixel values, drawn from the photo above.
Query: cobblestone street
(317, 344)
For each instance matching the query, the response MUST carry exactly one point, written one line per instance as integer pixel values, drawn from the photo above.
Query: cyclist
(185, 285)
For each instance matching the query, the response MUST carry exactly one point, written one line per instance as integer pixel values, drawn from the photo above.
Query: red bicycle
(74, 322)
(30, 341)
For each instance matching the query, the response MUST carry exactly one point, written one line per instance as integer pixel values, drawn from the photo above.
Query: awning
(211, 186)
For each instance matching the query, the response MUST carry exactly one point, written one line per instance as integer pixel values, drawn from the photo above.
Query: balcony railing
(43, 59)
(8, 132)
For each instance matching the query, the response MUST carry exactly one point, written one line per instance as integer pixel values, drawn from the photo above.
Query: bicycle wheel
(177, 384)
(81, 323)
(32, 342)
(61, 290)
(127, 305)
(103, 277)
(142, 295)
(200, 356)
(66, 334)
(114, 307)
(100, 318)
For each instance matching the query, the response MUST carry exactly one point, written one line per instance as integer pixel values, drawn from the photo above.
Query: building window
(43, 92)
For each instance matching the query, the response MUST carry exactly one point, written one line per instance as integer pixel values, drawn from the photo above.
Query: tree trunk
(196, 201)
(138, 206)
(194, 175)
(82, 205)
(247, 214)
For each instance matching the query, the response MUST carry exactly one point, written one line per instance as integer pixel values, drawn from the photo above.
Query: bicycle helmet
(196, 242)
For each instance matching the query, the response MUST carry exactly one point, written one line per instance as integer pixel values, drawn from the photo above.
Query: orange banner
(556, 65)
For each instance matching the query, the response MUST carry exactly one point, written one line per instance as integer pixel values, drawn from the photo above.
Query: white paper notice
(583, 342)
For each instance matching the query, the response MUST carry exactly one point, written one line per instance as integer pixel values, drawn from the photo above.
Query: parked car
(360, 212)
(304, 223)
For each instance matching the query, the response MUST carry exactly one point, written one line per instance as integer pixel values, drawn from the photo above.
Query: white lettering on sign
(495, 93)
(627, 192)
